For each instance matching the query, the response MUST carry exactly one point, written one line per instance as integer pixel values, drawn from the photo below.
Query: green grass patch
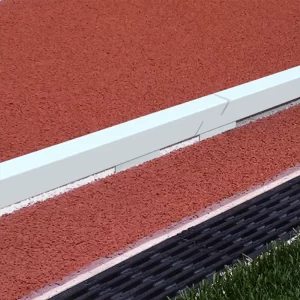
(275, 275)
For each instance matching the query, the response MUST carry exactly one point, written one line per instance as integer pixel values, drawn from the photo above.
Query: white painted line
(226, 205)
(56, 166)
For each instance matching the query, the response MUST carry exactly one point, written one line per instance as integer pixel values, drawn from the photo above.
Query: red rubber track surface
(69, 67)
(45, 242)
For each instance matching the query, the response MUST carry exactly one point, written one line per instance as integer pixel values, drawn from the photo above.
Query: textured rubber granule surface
(69, 67)
(195, 254)
(43, 243)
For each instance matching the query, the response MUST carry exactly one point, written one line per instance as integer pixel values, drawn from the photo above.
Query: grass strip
(274, 275)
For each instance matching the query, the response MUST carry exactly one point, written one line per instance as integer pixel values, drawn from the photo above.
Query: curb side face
(257, 102)
(259, 95)
(261, 84)
(41, 177)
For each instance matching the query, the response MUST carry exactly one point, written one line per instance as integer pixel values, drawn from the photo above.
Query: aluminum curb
(141, 139)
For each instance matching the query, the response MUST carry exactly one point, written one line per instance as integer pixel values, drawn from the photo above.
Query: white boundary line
(139, 140)
(224, 206)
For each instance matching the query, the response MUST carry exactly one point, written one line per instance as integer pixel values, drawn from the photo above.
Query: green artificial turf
(275, 275)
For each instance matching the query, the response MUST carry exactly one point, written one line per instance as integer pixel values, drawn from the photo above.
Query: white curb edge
(131, 143)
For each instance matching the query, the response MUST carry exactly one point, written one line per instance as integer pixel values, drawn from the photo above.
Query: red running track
(69, 67)
(45, 242)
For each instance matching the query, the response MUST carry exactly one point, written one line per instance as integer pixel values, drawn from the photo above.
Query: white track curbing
(131, 143)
